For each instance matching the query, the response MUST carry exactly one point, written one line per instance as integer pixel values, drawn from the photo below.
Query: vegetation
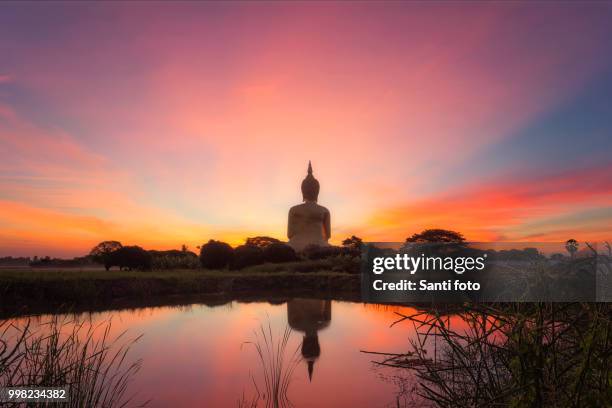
(247, 255)
(62, 353)
(572, 247)
(102, 252)
(216, 255)
(261, 242)
(278, 252)
(28, 291)
(353, 242)
(511, 355)
(174, 259)
(129, 257)
(277, 367)
(437, 235)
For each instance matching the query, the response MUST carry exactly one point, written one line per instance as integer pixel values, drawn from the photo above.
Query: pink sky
(164, 124)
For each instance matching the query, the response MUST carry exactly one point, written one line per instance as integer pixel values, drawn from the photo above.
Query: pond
(199, 355)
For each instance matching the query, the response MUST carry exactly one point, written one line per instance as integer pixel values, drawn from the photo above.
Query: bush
(246, 255)
(130, 257)
(216, 255)
(279, 252)
(323, 252)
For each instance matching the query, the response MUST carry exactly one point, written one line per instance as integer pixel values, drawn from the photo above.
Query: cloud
(181, 126)
(503, 209)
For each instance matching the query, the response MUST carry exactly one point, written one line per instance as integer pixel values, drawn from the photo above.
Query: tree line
(263, 249)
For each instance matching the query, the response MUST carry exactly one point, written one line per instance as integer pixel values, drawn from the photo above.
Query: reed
(277, 366)
(63, 352)
(512, 355)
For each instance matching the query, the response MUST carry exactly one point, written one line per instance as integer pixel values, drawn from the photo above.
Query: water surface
(200, 355)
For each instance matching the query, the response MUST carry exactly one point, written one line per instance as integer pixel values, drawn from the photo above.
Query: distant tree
(437, 235)
(261, 241)
(353, 243)
(101, 252)
(435, 241)
(571, 246)
(279, 252)
(184, 248)
(215, 254)
(607, 245)
(129, 257)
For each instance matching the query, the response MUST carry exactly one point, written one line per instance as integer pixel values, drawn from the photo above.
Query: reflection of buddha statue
(309, 223)
(309, 316)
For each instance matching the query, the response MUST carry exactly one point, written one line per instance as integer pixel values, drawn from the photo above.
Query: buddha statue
(309, 222)
(309, 316)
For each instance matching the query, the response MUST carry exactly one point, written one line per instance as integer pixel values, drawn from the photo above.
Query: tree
(571, 246)
(435, 242)
(246, 255)
(101, 253)
(607, 245)
(353, 243)
(261, 242)
(215, 254)
(437, 235)
(130, 257)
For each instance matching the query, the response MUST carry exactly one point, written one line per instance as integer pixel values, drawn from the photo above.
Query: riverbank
(32, 291)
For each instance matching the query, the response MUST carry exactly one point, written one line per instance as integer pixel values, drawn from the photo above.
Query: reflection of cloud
(5, 78)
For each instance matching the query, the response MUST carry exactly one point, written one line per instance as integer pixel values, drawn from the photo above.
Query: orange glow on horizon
(196, 121)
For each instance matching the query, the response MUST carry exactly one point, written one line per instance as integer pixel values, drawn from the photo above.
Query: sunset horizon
(177, 123)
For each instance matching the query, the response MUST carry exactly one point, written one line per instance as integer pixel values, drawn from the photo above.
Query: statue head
(311, 351)
(310, 186)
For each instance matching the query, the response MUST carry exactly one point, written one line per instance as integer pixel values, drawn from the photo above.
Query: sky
(162, 124)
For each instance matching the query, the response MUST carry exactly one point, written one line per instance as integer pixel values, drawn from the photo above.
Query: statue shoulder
(295, 208)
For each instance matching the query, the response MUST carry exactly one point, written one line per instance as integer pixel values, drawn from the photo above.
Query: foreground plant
(512, 355)
(277, 366)
(71, 353)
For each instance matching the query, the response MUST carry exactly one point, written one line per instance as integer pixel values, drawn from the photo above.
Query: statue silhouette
(309, 223)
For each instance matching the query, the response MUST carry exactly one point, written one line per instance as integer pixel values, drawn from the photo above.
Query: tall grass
(277, 366)
(512, 355)
(72, 353)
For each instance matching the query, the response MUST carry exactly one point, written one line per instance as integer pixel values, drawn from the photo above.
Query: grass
(322, 267)
(512, 355)
(44, 290)
(277, 366)
(62, 353)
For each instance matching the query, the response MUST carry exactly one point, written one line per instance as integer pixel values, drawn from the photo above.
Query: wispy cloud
(193, 121)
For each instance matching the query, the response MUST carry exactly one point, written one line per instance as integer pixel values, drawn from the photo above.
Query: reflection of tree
(511, 355)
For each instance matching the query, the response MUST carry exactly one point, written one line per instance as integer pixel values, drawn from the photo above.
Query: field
(27, 290)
